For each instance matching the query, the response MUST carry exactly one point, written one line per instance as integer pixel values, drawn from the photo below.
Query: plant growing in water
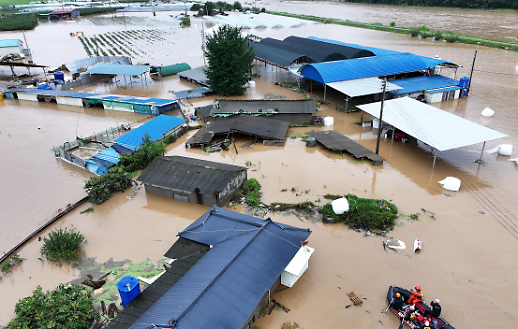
(252, 191)
(62, 244)
(11, 262)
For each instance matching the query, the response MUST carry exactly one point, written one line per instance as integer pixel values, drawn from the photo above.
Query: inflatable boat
(415, 321)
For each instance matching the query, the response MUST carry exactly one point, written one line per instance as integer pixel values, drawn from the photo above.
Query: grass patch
(368, 214)
(11, 262)
(89, 209)
(62, 245)
(301, 206)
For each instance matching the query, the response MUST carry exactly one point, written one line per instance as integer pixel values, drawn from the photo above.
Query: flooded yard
(469, 244)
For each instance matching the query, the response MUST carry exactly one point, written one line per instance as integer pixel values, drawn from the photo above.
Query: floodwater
(469, 246)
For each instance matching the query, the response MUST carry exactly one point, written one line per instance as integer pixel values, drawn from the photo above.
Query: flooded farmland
(469, 246)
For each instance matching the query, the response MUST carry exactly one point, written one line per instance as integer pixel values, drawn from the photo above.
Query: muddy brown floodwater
(469, 251)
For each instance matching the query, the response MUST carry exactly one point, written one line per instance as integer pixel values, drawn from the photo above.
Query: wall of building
(11, 50)
(191, 197)
(265, 300)
(231, 188)
(294, 119)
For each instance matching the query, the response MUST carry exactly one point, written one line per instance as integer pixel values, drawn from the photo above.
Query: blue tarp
(376, 51)
(105, 159)
(117, 69)
(368, 67)
(224, 287)
(418, 84)
(155, 128)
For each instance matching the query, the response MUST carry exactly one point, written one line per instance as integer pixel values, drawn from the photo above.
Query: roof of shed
(223, 288)
(276, 55)
(10, 43)
(418, 84)
(263, 106)
(188, 174)
(317, 50)
(117, 69)
(63, 11)
(155, 128)
(439, 129)
(376, 66)
(361, 87)
(197, 74)
(376, 51)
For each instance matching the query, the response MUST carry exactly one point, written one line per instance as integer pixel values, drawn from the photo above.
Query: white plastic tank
(376, 123)
(505, 149)
(487, 112)
(329, 121)
(340, 206)
(251, 84)
(450, 184)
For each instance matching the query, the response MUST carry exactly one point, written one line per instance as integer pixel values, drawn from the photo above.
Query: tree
(229, 61)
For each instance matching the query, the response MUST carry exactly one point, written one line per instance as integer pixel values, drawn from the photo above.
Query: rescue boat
(420, 308)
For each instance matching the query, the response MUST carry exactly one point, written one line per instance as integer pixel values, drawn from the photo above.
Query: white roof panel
(435, 127)
(299, 260)
(361, 87)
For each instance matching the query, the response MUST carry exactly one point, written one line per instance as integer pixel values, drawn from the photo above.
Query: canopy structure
(376, 51)
(362, 87)
(254, 21)
(435, 127)
(135, 70)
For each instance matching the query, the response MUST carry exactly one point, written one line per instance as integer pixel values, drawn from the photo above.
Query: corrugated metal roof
(263, 106)
(418, 84)
(188, 174)
(439, 129)
(277, 56)
(367, 67)
(317, 50)
(376, 51)
(10, 43)
(361, 87)
(226, 285)
(196, 74)
(89, 61)
(155, 128)
(165, 71)
(117, 69)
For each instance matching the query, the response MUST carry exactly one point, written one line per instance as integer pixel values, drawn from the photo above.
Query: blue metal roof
(376, 51)
(10, 43)
(223, 288)
(155, 128)
(418, 84)
(368, 67)
(119, 69)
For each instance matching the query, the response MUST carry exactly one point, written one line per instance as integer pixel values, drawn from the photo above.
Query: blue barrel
(464, 82)
(59, 76)
(128, 289)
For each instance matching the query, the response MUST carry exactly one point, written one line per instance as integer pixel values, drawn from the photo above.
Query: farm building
(11, 46)
(298, 111)
(227, 267)
(65, 13)
(188, 179)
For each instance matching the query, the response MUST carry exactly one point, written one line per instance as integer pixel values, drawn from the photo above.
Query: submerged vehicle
(415, 321)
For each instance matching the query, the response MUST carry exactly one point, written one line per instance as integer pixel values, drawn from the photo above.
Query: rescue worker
(436, 309)
(416, 297)
(398, 301)
(409, 312)
(426, 324)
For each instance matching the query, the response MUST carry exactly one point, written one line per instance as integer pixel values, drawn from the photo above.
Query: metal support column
(481, 153)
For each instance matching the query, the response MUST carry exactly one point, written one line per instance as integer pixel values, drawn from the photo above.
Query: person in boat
(436, 309)
(398, 301)
(409, 312)
(426, 324)
(416, 297)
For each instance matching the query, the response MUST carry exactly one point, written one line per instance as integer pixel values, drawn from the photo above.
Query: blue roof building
(231, 283)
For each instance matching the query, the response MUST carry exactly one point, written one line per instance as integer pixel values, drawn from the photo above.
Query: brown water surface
(469, 247)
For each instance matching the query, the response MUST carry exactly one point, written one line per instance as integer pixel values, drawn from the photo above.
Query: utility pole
(471, 73)
(381, 117)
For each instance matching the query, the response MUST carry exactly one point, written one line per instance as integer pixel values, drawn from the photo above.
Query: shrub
(62, 244)
(11, 262)
(438, 35)
(141, 158)
(369, 214)
(196, 7)
(414, 32)
(100, 188)
(252, 191)
(186, 21)
(68, 306)
(450, 37)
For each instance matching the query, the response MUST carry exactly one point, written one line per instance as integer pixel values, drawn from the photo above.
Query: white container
(329, 121)
(376, 123)
(340, 206)
(487, 112)
(251, 84)
(505, 149)
(450, 184)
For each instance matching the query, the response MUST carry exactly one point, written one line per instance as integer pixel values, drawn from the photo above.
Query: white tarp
(435, 127)
(361, 87)
(254, 21)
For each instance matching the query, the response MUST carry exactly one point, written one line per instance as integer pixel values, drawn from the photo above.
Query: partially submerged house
(296, 111)
(63, 13)
(227, 267)
(193, 180)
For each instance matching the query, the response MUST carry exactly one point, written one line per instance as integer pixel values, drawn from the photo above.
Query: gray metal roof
(278, 56)
(196, 74)
(263, 107)
(188, 174)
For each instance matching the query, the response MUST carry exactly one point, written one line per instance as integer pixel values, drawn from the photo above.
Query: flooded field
(469, 246)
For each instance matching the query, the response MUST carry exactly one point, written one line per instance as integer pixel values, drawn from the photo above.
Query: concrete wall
(28, 97)
(262, 304)
(191, 197)
(232, 187)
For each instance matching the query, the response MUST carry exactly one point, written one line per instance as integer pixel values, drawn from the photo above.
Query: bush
(196, 7)
(369, 214)
(252, 191)
(68, 306)
(186, 21)
(141, 158)
(62, 244)
(450, 37)
(100, 188)
(11, 262)
(414, 32)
